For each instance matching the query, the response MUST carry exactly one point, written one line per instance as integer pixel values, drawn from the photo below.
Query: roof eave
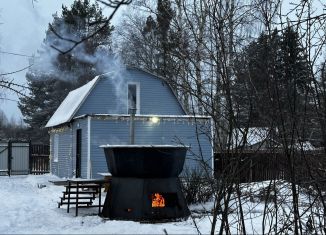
(79, 105)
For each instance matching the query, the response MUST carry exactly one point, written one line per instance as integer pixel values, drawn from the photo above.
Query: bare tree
(213, 35)
(224, 25)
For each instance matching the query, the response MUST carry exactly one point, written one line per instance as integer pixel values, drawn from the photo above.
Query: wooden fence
(39, 159)
(254, 166)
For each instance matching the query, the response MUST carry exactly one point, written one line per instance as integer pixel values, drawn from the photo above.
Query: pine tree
(165, 14)
(255, 71)
(54, 74)
(294, 83)
(46, 96)
(272, 82)
(3, 124)
(321, 107)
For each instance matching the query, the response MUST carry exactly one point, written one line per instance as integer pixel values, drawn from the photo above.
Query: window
(133, 97)
(56, 148)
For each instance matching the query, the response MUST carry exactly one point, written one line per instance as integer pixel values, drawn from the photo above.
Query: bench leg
(99, 200)
(77, 189)
(69, 184)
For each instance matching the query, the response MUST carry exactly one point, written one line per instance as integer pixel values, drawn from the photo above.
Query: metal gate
(14, 158)
(4, 158)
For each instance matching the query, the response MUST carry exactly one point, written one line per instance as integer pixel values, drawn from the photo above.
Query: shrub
(196, 187)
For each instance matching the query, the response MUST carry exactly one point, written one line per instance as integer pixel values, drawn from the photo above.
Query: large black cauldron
(145, 161)
(140, 174)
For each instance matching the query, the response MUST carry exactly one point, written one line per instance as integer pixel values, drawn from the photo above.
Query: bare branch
(11, 83)
(61, 37)
(17, 71)
(16, 88)
(116, 4)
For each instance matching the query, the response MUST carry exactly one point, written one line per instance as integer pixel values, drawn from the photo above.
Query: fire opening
(158, 200)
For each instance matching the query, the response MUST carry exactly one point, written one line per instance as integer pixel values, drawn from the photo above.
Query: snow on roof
(305, 146)
(71, 104)
(254, 135)
(143, 146)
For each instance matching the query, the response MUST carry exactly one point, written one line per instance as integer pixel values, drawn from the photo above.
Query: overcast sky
(22, 29)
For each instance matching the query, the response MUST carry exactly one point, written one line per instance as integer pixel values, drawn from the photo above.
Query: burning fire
(158, 200)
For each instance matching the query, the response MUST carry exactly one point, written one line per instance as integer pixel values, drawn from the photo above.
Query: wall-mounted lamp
(154, 120)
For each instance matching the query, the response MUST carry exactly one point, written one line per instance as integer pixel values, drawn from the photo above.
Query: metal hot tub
(145, 184)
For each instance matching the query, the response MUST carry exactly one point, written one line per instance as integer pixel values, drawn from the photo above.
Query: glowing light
(154, 120)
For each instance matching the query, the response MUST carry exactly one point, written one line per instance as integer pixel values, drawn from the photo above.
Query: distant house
(304, 146)
(98, 113)
(263, 138)
(253, 138)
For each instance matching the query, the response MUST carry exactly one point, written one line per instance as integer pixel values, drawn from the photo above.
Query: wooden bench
(107, 177)
(81, 193)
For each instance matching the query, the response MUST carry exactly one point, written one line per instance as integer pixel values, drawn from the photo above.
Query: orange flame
(158, 200)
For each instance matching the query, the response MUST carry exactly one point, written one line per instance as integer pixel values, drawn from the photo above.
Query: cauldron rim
(145, 161)
(143, 146)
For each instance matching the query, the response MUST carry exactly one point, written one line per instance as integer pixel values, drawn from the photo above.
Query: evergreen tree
(54, 74)
(321, 107)
(3, 124)
(255, 71)
(293, 86)
(272, 82)
(165, 14)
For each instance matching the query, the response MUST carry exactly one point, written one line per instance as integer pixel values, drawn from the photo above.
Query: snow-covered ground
(27, 208)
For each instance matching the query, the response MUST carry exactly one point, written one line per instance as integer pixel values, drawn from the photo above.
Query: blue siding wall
(169, 131)
(66, 165)
(109, 96)
(115, 130)
(62, 168)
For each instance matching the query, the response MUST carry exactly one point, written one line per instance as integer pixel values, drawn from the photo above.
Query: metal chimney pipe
(132, 112)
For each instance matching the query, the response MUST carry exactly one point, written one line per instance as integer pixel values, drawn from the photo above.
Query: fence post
(9, 157)
(250, 171)
(30, 157)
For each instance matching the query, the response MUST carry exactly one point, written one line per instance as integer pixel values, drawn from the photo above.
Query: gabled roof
(165, 81)
(71, 104)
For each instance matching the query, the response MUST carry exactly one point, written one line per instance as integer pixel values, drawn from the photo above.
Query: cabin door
(78, 152)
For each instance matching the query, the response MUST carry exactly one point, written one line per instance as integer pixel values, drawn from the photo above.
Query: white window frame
(137, 96)
(56, 148)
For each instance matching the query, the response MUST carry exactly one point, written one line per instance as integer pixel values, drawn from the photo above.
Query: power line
(17, 71)
(2, 98)
(16, 54)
